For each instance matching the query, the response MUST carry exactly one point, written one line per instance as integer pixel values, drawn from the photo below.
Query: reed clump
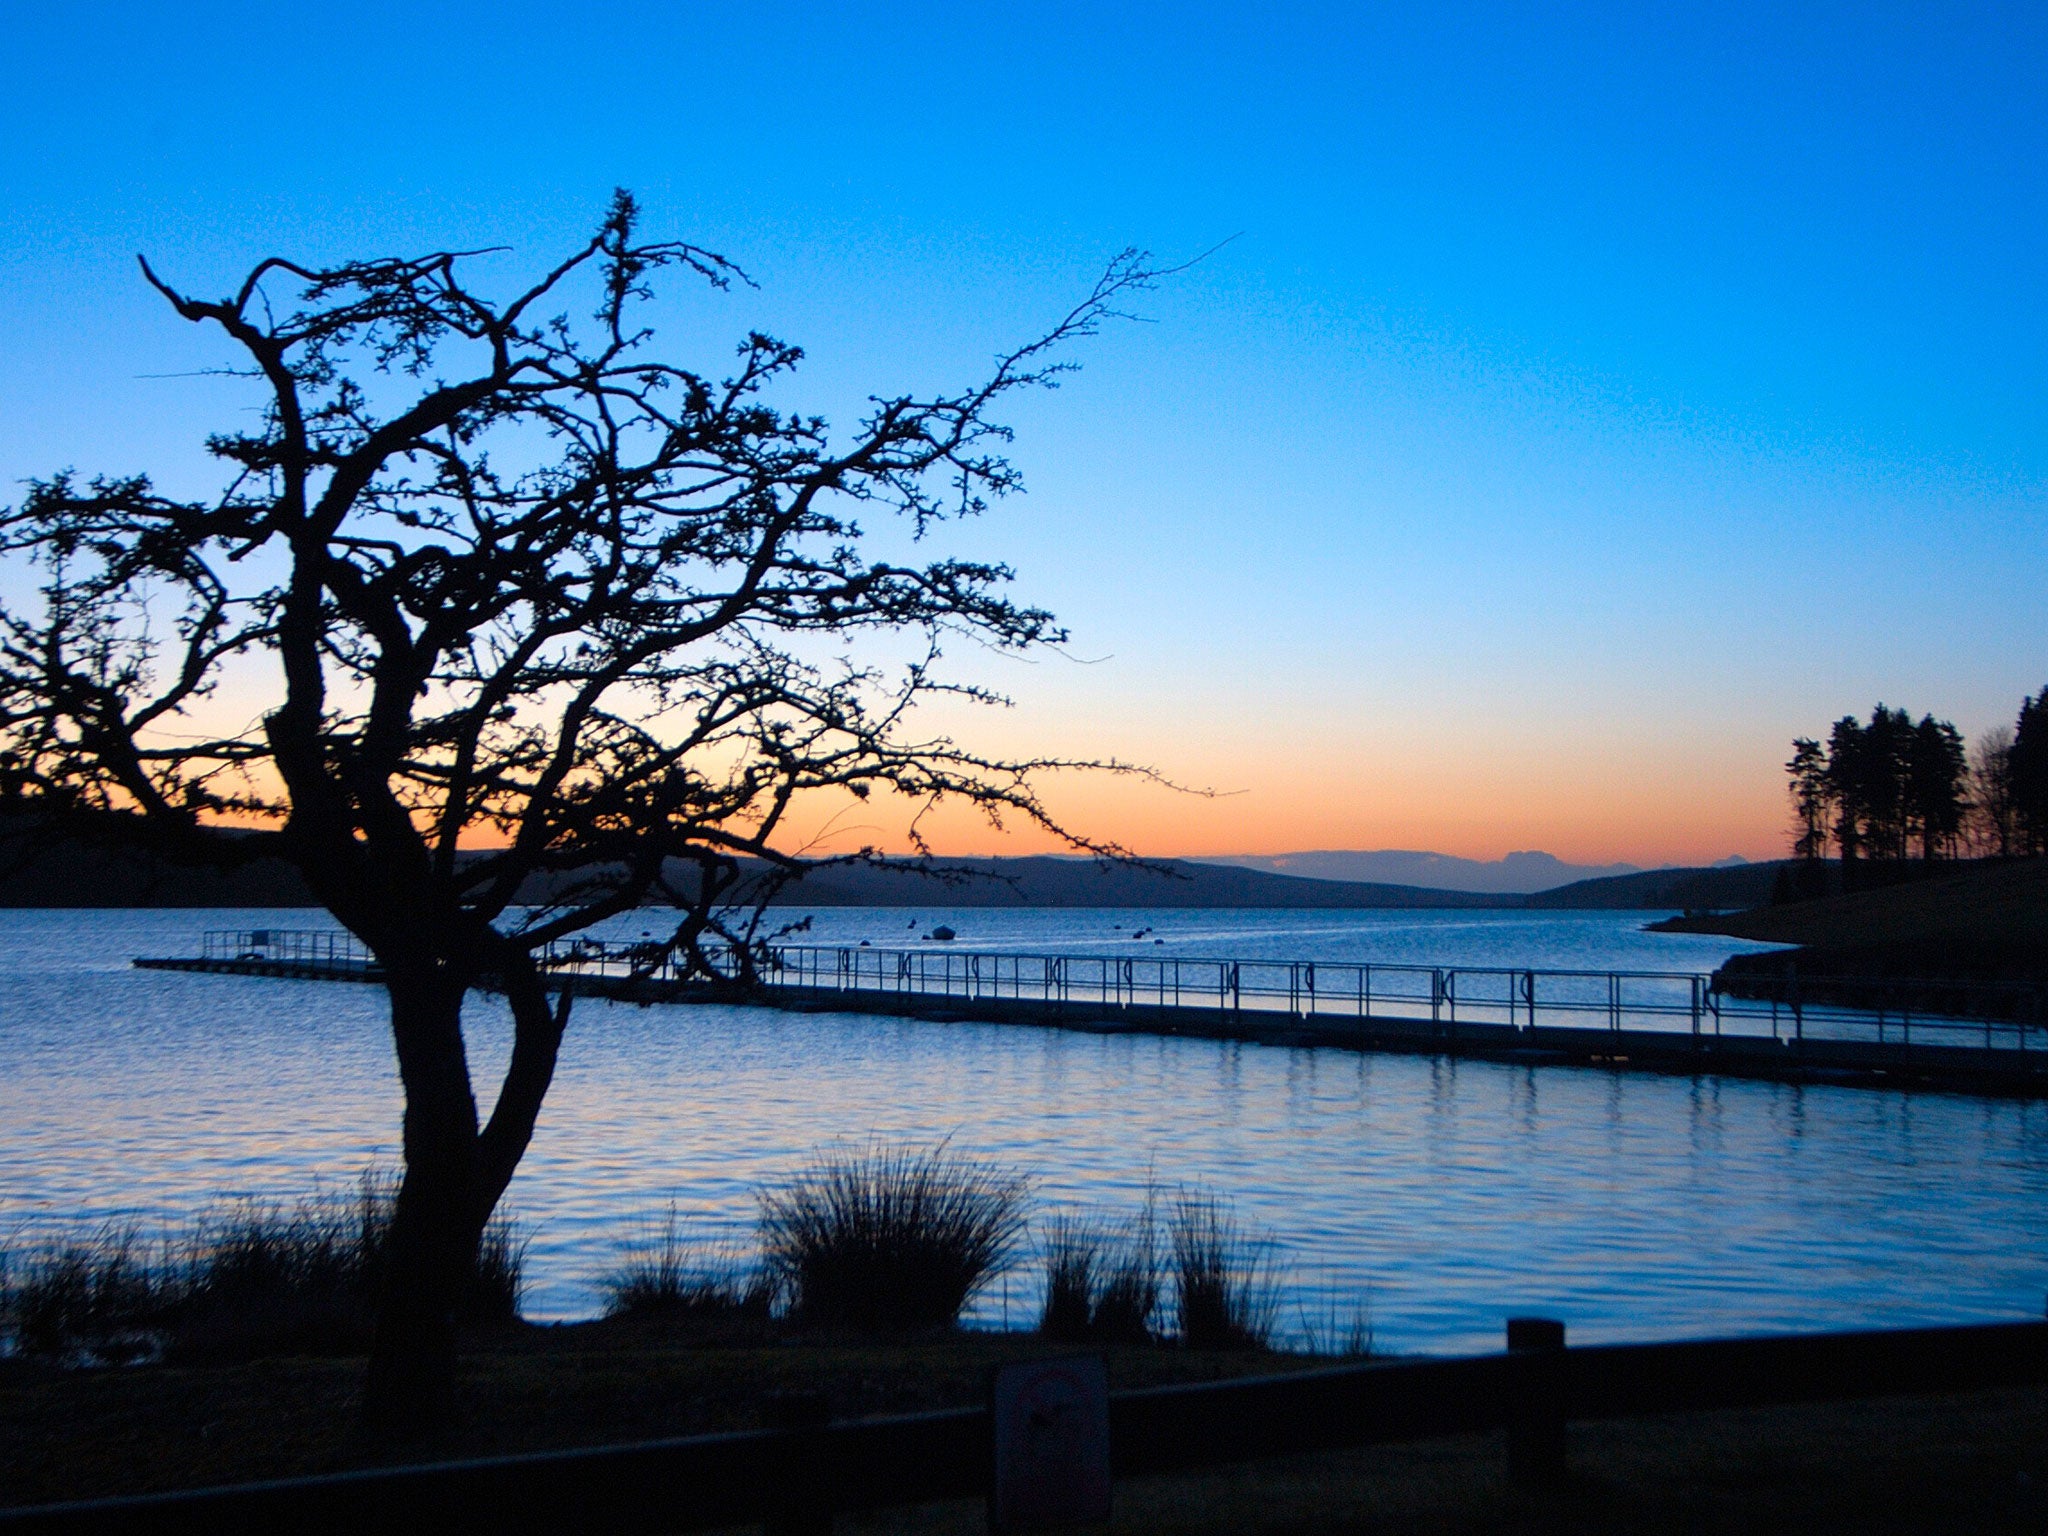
(1102, 1281)
(667, 1275)
(1073, 1252)
(880, 1239)
(1226, 1282)
(267, 1279)
(890, 1239)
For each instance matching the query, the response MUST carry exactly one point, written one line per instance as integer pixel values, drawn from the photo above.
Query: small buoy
(865, 945)
(944, 934)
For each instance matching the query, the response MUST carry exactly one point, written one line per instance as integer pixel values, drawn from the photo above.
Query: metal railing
(312, 948)
(1992, 1015)
(1995, 1016)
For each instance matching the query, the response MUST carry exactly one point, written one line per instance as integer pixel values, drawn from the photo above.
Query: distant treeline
(1891, 790)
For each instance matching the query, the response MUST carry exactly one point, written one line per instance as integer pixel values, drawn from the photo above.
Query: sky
(1587, 399)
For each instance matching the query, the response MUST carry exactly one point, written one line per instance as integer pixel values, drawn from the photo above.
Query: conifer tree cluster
(1891, 789)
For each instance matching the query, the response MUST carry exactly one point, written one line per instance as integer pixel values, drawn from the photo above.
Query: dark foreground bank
(69, 1434)
(1975, 1461)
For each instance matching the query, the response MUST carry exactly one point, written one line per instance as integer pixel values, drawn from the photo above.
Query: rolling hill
(1984, 921)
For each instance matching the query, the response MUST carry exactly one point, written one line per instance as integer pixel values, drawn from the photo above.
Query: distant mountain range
(1066, 882)
(1517, 874)
(1070, 882)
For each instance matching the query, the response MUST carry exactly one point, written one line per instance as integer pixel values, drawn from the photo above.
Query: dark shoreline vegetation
(875, 1242)
(862, 1264)
(247, 1280)
(700, 1338)
(693, 1346)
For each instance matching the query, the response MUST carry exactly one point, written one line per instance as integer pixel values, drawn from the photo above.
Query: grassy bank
(1986, 922)
(70, 1433)
(1965, 1463)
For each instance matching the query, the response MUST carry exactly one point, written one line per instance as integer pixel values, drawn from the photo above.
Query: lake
(1441, 1195)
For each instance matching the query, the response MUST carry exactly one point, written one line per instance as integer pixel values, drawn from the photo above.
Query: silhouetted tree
(2027, 767)
(1847, 777)
(1811, 799)
(1937, 768)
(1992, 827)
(1886, 783)
(490, 594)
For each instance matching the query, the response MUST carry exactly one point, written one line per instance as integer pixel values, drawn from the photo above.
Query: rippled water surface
(1444, 1195)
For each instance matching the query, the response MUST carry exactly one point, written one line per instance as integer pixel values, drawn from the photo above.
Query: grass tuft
(1073, 1255)
(1127, 1296)
(1338, 1331)
(499, 1278)
(266, 1280)
(1226, 1287)
(1102, 1284)
(890, 1239)
(666, 1275)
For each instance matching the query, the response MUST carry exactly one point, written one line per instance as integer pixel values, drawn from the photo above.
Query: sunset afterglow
(1577, 408)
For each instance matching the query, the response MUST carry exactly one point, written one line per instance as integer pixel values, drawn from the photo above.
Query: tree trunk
(432, 1246)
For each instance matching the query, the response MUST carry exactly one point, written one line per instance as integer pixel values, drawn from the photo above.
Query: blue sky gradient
(1591, 399)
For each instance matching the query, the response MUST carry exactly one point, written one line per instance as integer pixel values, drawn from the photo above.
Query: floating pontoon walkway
(1985, 1039)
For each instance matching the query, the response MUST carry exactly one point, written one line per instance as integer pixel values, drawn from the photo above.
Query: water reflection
(1450, 1193)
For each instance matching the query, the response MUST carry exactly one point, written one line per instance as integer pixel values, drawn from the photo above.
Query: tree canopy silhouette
(492, 593)
(1878, 788)
(2026, 768)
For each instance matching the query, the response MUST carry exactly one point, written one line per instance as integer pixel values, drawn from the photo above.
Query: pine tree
(2027, 770)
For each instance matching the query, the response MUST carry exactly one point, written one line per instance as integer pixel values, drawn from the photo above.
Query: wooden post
(800, 1503)
(1536, 1443)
